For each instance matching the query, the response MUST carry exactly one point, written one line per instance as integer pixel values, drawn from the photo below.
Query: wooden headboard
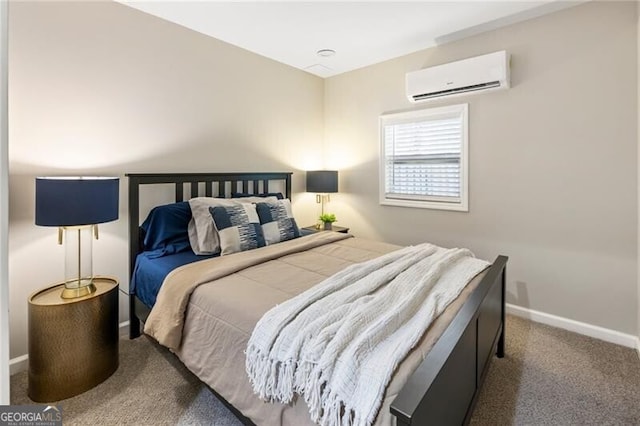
(219, 185)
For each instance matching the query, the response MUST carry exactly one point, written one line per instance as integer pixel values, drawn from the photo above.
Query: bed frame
(444, 388)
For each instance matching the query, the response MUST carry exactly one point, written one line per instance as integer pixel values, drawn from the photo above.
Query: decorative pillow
(277, 221)
(202, 233)
(165, 229)
(238, 227)
(278, 195)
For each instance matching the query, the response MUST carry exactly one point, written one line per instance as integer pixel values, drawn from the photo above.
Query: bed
(442, 381)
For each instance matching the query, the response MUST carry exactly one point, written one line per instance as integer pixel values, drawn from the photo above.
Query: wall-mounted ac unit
(484, 72)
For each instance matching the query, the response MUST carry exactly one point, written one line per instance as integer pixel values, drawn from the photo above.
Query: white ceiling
(361, 33)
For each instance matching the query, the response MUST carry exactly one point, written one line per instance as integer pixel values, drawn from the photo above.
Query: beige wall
(100, 88)
(553, 161)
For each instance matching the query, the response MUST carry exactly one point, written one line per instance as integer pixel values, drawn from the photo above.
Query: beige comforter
(206, 312)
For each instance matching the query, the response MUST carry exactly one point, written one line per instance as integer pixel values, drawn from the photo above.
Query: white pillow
(202, 232)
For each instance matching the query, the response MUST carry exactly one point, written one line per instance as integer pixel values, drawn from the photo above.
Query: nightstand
(73, 343)
(307, 230)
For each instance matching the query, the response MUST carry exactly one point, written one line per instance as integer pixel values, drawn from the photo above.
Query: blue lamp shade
(73, 201)
(322, 181)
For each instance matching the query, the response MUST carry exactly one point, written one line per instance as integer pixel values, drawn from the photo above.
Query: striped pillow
(238, 227)
(202, 232)
(277, 221)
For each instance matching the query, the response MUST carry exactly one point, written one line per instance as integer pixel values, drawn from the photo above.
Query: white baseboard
(638, 346)
(21, 363)
(594, 331)
(18, 364)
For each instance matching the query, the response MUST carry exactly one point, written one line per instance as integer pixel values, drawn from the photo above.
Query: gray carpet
(549, 377)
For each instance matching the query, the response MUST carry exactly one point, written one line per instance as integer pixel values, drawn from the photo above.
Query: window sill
(461, 207)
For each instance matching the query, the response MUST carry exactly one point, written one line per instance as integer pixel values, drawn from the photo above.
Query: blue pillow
(278, 195)
(165, 229)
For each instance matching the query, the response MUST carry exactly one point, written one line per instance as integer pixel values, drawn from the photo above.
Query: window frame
(427, 202)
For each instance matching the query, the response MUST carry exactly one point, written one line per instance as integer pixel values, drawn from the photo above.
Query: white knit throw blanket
(338, 344)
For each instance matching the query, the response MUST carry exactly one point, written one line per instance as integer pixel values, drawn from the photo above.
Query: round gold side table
(73, 343)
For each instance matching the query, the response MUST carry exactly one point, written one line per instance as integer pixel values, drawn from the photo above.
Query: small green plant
(327, 218)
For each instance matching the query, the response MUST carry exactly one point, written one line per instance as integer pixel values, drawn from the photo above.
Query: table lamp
(76, 205)
(322, 182)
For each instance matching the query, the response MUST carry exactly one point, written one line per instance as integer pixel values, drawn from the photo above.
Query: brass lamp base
(72, 293)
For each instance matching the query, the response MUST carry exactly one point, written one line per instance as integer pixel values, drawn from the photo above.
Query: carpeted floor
(549, 377)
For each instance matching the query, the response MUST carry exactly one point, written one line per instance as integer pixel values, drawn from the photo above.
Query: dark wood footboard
(444, 388)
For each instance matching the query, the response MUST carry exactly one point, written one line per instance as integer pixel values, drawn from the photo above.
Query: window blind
(422, 158)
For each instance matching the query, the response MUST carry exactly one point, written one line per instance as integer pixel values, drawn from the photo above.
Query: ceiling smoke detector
(325, 53)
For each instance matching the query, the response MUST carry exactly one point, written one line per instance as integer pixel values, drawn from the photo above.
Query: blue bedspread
(150, 272)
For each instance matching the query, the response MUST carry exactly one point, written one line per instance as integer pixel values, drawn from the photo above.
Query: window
(423, 158)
